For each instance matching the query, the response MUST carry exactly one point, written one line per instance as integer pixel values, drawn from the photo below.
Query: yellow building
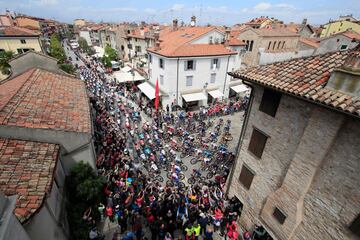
(19, 40)
(79, 22)
(341, 25)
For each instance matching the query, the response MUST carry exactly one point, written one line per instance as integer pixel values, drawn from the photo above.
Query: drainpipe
(177, 82)
(227, 69)
(242, 133)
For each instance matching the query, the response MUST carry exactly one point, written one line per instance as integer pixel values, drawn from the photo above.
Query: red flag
(157, 95)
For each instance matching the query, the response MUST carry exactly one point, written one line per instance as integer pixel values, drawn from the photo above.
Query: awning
(216, 93)
(239, 88)
(147, 89)
(194, 97)
(127, 76)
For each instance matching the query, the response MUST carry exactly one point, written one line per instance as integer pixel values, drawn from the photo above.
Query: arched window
(251, 45)
(247, 45)
(269, 45)
(283, 46)
(278, 45)
(274, 45)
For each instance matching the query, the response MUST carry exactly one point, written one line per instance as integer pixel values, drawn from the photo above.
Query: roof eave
(249, 80)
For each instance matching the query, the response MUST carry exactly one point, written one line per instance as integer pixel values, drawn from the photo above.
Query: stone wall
(327, 200)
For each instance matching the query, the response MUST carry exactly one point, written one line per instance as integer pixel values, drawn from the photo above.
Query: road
(70, 53)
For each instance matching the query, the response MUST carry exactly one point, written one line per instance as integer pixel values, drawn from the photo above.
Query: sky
(223, 12)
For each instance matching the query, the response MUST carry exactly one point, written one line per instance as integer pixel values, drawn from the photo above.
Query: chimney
(227, 35)
(304, 21)
(157, 46)
(175, 24)
(156, 36)
(193, 21)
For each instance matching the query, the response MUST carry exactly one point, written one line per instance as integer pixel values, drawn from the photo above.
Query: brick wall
(289, 136)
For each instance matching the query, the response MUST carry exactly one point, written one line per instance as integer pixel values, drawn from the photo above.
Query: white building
(139, 39)
(85, 33)
(191, 65)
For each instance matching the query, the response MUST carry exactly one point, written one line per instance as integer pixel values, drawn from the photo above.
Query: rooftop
(46, 100)
(279, 32)
(16, 31)
(312, 42)
(306, 78)
(27, 169)
(178, 43)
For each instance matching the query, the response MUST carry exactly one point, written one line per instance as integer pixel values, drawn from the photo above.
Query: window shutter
(211, 63)
(218, 63)
(257, 143)
(194, 64)
(246, 177)
(185, 65)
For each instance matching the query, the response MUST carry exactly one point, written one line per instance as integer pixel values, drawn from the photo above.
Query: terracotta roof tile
(16, 31)
(310, 42)
(178, 43)
(307, 78)
(42, 99)
(27, 169)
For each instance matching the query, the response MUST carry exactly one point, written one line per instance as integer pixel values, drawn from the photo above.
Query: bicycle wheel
(184, 168)
(193, 160)
(169, 183)
(159, 178)
(181, 185)
(181, 176)
(191, 180)
(183, 154)
(168, 175)
(209, 175)
(228, 137)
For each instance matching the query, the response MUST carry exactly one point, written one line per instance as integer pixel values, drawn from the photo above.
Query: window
(210, 40)
(24, 50)
(246, 177)
(135, 39)
(269, 45)
(278, 47)
(274, 45)
(270, 102)
(189, 65)
(2, 50)
(161, 80)
(247, 45)
(150, 59)
(189, 80)
(257, 143)
(161, 63)
(138, 48)
(212, 78)
(343, 47)
(355, 226)
(23, 41)
(122, 48)
(129, 46)
(279, 215)
(215, 64)
(251, 46)
(150, 73)
(283, 45)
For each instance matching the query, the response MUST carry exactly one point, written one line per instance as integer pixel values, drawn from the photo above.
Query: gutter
(227, 68)
(177, 82)
(242, 134)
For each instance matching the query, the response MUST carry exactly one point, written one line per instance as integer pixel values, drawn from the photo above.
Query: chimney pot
(175, 24)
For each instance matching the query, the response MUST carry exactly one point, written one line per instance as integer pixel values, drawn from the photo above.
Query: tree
(67, 68)
(84, 190)
(5, 56)
(111, 53)
(106, 61)
(56, 49)
(83, 44)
